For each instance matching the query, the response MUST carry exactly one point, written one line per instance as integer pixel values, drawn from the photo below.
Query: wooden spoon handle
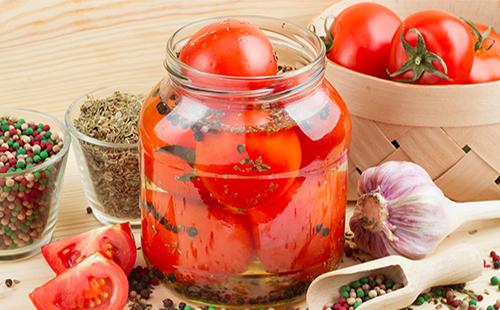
(474, 211)
(458, 264)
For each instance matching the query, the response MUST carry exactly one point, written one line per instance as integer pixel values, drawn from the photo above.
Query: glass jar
(243, 187)
(30, 196)
(109, 171)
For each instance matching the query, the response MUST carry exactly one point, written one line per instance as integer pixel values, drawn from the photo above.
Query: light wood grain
(53, 51)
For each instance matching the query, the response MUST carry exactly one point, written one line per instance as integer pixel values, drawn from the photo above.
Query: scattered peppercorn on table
(54, 51)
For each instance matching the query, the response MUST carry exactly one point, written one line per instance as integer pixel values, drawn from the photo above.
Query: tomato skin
(230, 47)
(214, 243)
(445, 35)
(223, 161)
(362, 36)
(115, 242)
(486, 67)
(67, 290)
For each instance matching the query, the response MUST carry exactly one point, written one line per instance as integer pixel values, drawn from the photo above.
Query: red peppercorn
(12, 161)
(13, 131)
(455, 303)
(479, 297)
(471, 308)
(46, 128)
(493, 253)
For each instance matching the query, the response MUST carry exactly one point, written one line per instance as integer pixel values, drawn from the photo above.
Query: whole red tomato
(486, 67)
(303, 231)
(250, 160)
(362, 36)
(432, 47)
(195, 242)
(230, 47)
(323, 125)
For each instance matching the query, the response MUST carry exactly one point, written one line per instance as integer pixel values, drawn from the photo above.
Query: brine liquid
(243, 206)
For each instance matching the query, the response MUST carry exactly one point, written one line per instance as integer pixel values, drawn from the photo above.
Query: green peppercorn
(29, 131)
(494, 280)
(345, 288)
(364, 280)
(36, 158)
(490, 308)
(357, 304)
(472, 302)
(420, 301)
(20, 164)
(44, 154)
(355, 284)
(360, 293)
(344, 294)
(15, 145)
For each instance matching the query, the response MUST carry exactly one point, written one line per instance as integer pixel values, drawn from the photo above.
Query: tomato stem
(481, 37)
(328, 37)
(420, 60)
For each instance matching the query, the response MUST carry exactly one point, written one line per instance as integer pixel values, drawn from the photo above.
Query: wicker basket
(451, 131)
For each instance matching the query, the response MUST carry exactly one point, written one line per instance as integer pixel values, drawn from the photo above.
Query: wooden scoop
(458, 264)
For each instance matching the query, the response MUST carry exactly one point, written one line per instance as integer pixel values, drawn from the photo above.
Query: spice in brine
(114, 171)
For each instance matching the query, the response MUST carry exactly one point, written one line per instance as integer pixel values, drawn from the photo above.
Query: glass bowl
(30, 198)
(109, 171)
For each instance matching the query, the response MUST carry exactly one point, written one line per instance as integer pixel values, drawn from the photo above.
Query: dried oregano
(114, 172)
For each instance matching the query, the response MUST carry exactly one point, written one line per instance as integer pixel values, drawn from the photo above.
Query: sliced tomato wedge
(96, 283)
(115, 242)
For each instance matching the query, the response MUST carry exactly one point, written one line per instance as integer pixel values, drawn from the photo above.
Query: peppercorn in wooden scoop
(454, 265)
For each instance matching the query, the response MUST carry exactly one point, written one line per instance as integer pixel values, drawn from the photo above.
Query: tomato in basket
(486, 67)
(360, 38)
(432, 47)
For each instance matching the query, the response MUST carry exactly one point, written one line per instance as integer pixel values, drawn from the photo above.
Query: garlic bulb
(400, 211)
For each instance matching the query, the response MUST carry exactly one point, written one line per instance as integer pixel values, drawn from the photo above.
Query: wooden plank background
(52, 51)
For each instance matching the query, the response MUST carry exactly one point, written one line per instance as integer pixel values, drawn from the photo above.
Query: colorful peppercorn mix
(26, 198)
(354, 294)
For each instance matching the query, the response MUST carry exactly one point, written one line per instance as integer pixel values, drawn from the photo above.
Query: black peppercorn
(168, 302)
(9, 283)
(496, 264)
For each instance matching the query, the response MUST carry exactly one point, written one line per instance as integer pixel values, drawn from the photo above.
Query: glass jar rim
(81, 136)
(51, 161)
(318, 60)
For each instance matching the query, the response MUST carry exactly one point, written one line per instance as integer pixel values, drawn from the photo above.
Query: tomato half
(440, 47)
(115, 242)
(362, 36)
(303, 233)
(96, 283)
(195, 242)
(230, 47)
(486, 67)
(244, 169)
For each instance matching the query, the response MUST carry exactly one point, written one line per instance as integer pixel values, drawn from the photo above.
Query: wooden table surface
(53, 51)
